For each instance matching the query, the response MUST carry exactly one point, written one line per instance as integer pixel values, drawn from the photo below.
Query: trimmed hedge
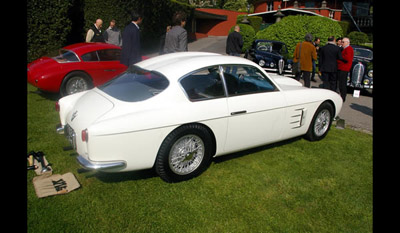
(47, 27)
(55, 24)
(255, 21)
(292, 29)
(358, 38)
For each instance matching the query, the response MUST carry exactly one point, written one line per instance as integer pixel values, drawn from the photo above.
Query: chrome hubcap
(322, 122)
(186, 154)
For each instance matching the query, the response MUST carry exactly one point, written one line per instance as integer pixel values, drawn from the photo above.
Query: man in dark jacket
(130, 53)
(234, 43)
(328, 56)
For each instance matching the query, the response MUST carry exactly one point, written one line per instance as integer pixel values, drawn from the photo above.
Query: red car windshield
(66, 56)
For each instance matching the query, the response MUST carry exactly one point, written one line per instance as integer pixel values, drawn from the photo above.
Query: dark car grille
(281, 65)
(357, 75)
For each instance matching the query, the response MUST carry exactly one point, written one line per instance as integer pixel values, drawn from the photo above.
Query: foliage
(248, 35)
(291, 186)
(157, 15)
(358, 38)
(47, 27)
(255, 21)
(236, 5)
(292, 29)
(50, 23)
(345, 27)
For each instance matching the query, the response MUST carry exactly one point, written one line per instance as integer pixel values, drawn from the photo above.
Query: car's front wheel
(185, 153)
(321, 122)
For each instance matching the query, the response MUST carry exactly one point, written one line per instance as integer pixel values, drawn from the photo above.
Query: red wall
(262, 6)
(213, 27)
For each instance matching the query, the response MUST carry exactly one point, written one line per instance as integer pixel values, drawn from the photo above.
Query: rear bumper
(100, 166)
(60, 129)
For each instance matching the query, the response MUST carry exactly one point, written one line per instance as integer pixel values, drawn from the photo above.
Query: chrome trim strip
(96, 165)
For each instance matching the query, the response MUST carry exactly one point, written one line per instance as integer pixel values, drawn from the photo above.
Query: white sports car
(175, 112)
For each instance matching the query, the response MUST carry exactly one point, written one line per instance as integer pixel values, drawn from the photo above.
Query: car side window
(203, 84)
(91, 56)
(109, 54)
(242, 79)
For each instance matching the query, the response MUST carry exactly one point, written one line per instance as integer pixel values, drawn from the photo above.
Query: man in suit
(176, 38)
(130, 53)
(328, 64)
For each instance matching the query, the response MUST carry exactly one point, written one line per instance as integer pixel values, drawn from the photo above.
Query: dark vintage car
(271, 54)
(361, 73)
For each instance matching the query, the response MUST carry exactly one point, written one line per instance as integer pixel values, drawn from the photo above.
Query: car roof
(82, 48)
(176, 65)
(273, 41)
(362, 47)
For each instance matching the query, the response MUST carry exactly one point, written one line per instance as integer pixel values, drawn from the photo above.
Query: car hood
(286, 83)
(88, 109)
(273, 55)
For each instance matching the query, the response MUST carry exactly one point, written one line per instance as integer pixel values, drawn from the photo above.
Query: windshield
(364, 53)
(135, 85)
(268, 46)
(66, 56)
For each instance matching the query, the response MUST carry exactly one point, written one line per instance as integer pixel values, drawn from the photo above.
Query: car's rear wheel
(75, 82)
(185, 153)
(321, 122)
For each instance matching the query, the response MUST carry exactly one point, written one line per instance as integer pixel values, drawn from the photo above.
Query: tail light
(85, 135)
(57, 107)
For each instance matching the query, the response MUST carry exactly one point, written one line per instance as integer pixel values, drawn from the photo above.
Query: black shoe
(313, 80)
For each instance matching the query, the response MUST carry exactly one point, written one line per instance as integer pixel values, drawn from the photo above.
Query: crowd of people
(174, 40)
(334, 59)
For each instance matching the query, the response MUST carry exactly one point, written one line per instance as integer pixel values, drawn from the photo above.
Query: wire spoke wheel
(76, 84)
(186, 154)
(322, 122)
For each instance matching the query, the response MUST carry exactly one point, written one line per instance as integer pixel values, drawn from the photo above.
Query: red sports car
(78, 67)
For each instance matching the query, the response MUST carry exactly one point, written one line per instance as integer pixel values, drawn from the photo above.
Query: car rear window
(135, 85)
(65, 56)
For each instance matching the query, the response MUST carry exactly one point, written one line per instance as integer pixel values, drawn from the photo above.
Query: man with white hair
(94, 33)
(344, 68)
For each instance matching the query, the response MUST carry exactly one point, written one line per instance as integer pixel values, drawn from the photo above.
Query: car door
(103, 65)
(256, 107)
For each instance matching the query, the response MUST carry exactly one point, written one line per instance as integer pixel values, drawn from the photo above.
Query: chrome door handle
(239, 112)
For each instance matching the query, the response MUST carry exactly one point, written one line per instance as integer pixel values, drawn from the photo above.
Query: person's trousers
(330, 80)
(342, 78)
(306, 77)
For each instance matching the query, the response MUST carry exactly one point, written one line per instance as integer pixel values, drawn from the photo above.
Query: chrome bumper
(60, 129)
(96, 165)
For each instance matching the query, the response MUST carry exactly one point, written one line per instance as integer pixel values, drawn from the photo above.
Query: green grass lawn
(293, 186)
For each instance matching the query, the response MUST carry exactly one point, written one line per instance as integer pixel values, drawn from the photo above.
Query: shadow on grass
(123, 176)
(150, 173)
(46, 95)
(240, 154)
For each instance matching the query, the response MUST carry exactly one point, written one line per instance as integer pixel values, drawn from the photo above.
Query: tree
(236, 5)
